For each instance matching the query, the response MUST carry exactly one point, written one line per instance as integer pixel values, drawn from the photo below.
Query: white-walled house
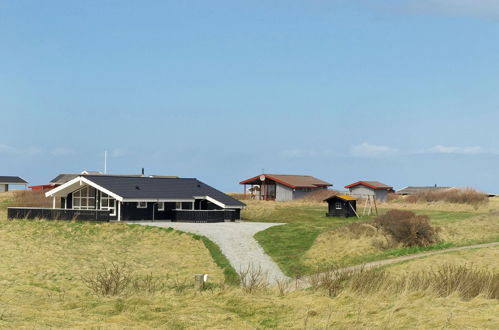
(365, 189)
(282, 187)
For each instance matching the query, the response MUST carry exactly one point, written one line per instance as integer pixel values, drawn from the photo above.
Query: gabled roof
(153, 188)
(371, 184)
(415, 190)
(63, 178)
(292, 181)
(12, 180)
(343, 197)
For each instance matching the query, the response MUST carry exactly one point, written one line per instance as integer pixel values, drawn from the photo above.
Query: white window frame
(110, 200)
(90, 199)
(142, 205)
(338, 206)
(161, 206)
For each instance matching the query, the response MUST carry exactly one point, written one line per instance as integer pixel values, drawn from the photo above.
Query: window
(141, 205)
(108, 203)
(338, 206)
(161, 206)
(84, 199)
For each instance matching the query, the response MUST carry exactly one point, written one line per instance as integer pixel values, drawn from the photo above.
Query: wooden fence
(57, 214)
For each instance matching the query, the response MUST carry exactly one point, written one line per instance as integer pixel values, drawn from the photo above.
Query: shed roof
(290, 180)
(158, 188)
(411, 190)
(376, 185)
(12, 180)
(344, 197)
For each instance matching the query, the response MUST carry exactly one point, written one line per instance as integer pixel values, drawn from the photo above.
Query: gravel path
(236, 241)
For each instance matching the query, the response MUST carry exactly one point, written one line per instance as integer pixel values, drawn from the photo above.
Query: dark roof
(371, 184)
(290, 180)
(131, 187)
(63, 178)
(416, 190)
(12, 180)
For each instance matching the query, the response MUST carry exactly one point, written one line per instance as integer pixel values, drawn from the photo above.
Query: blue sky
(405, 92)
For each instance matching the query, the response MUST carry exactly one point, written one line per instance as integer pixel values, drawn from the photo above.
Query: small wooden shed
(341, 206)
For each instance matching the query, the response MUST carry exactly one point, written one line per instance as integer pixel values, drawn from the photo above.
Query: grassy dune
(310, 240)
(40, 287)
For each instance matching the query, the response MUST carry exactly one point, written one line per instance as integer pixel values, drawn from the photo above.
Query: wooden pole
(353, 210)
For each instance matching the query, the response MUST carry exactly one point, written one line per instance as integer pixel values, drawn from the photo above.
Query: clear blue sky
(401, 91)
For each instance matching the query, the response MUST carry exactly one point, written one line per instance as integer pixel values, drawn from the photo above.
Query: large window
(84, 199)
(108, 203)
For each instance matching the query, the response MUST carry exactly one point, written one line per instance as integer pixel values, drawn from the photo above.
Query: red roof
(371, 184)
(292, 181)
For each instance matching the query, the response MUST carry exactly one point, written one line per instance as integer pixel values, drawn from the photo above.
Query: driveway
(236, 241)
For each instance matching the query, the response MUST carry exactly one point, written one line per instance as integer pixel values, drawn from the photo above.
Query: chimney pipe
(142, 171)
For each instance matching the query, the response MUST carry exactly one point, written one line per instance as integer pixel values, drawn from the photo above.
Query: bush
(111, 280)
(407, 228)
(456, 196)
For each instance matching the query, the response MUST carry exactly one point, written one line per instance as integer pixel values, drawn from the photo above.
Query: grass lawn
(41, 286)
(288, 244)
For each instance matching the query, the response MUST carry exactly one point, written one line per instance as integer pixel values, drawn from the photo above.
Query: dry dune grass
(483, 227)
(344, 243)
(480, 258)
(40, 287)
(347, 242)
(264, 209)
(400, 203)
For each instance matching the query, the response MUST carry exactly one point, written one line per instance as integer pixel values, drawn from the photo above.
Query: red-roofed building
(282, 187)
(365, 189)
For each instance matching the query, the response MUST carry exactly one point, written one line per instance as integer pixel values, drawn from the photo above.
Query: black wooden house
(341, 206)
(144, 198)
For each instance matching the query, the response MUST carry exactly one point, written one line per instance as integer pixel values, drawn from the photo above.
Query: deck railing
(56, 214)
(205, 215)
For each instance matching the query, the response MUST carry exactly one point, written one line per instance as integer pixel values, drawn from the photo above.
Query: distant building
(5, 181)
(365, 189)
(416, 190)
(282, 187)
(341, 206)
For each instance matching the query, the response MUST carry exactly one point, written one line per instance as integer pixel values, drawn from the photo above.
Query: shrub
(253, 279)
(407, 228)
(111, 280)
(456, 196)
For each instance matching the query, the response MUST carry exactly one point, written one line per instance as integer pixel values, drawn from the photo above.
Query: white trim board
(81, 179)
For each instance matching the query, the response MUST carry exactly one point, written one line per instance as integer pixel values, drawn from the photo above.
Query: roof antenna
(105, 161)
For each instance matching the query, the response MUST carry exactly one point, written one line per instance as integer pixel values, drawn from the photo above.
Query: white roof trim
(157, 200)
(214, 201)
(81, 179)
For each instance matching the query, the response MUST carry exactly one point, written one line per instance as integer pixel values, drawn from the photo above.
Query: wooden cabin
(341, 206)
(129, 198)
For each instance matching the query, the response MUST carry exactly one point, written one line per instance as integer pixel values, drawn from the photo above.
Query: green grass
(230, 274)
(287, 244)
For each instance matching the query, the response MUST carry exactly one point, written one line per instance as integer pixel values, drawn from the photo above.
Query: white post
(119, 210)
(53, 202)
